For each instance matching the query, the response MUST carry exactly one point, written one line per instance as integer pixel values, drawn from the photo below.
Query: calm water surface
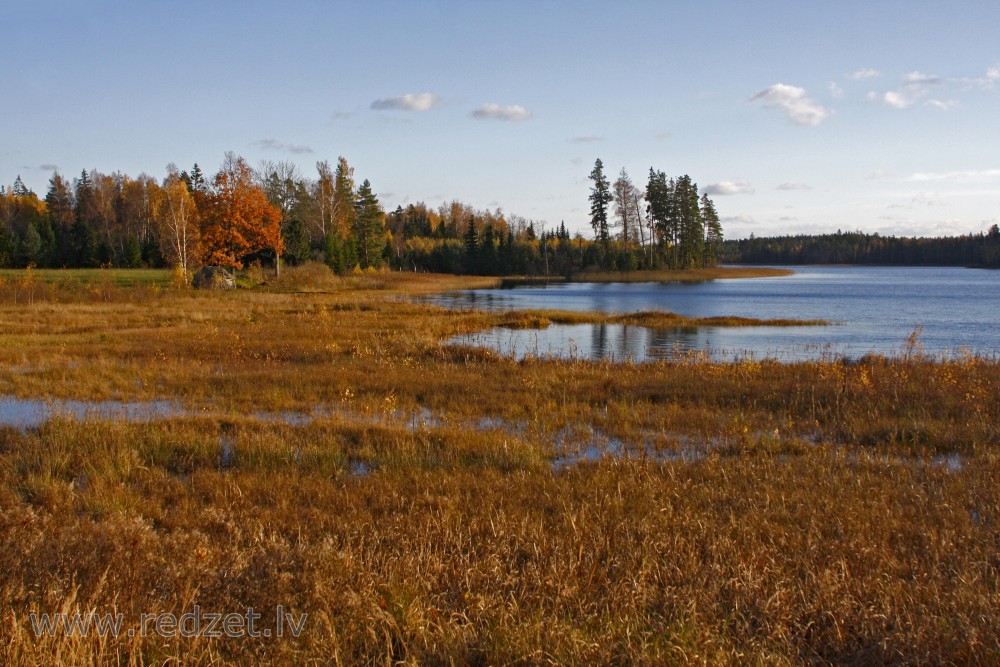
(876, 309)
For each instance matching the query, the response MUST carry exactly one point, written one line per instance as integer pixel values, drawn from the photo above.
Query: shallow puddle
(571, 445)
(24, 413)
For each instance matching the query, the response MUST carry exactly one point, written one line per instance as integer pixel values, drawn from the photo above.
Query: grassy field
(116, 277)
(438, 505)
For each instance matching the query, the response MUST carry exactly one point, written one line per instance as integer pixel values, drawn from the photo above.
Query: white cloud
(794, 185)
(588, 139)
(723, 188)
(864, 74)
(836, 91)
(792, 101)
(275, 145)
(878, 174)
(921, 79)
(494, 111)
(268, 144)
(993, 73)
(966, 176)
(893, 98)
(943, 105)
(916, 86)
(408, 102)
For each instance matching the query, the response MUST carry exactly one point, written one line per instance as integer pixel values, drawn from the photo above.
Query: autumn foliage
(238, 220)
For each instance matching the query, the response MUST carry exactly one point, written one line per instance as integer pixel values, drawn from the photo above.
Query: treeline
(674, 228)
(238, 216)
(242, 215)
(859, 248)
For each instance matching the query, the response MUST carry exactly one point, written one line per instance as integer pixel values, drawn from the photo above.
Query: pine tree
(692, 227)
(713, 231)
(658, 207)
(600, 197)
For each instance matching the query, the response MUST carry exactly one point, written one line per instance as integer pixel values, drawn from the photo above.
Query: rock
(213, 277)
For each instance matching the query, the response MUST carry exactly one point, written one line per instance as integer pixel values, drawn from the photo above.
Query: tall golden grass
(418, 504)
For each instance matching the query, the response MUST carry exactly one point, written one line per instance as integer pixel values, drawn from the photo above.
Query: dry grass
(542, 318)
(733, 513)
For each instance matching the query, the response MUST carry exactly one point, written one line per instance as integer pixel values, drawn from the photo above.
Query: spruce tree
(196, 179)
(334, 250)
(296, 242)
(133, 252)
(19, 189)
(31, 245)
(343, 204)
(471, 248)
(59, 201)
(369, 227)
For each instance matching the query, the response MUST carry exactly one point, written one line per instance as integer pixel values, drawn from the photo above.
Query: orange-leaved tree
(238, 220)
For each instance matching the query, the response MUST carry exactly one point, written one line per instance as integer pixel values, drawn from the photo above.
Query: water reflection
(617, 342)
(875, 308)
(24, 413)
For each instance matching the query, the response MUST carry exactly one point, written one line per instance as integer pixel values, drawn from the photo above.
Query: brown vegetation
(681, 275)
(541, 318)
(428, 504)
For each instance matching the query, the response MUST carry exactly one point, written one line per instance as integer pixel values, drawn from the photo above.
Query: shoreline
(652, 276)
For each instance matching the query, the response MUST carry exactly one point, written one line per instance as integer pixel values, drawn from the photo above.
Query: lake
(876, 309)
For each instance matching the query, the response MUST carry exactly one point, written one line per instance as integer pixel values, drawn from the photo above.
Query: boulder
(213, 277)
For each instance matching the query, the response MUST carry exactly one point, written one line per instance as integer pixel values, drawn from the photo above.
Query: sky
(796, 118)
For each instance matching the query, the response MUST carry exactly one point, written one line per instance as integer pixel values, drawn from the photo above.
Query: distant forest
(243, 215)
(858, 248)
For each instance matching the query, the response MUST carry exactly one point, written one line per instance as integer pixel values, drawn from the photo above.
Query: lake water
(876, 309)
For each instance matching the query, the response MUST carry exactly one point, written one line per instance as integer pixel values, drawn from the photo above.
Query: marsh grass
(118, 277)
(542, 318)
(818, 512)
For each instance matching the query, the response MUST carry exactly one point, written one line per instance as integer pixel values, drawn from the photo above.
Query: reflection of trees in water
(664, 343)
(632, 343)
(476, 298)
(598, 341)
(606, 341)
(623, 342)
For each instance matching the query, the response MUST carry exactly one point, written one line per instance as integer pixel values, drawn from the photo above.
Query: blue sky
(797, 117)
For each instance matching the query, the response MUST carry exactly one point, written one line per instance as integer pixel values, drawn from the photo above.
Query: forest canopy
(981, 249)
(243, 215)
